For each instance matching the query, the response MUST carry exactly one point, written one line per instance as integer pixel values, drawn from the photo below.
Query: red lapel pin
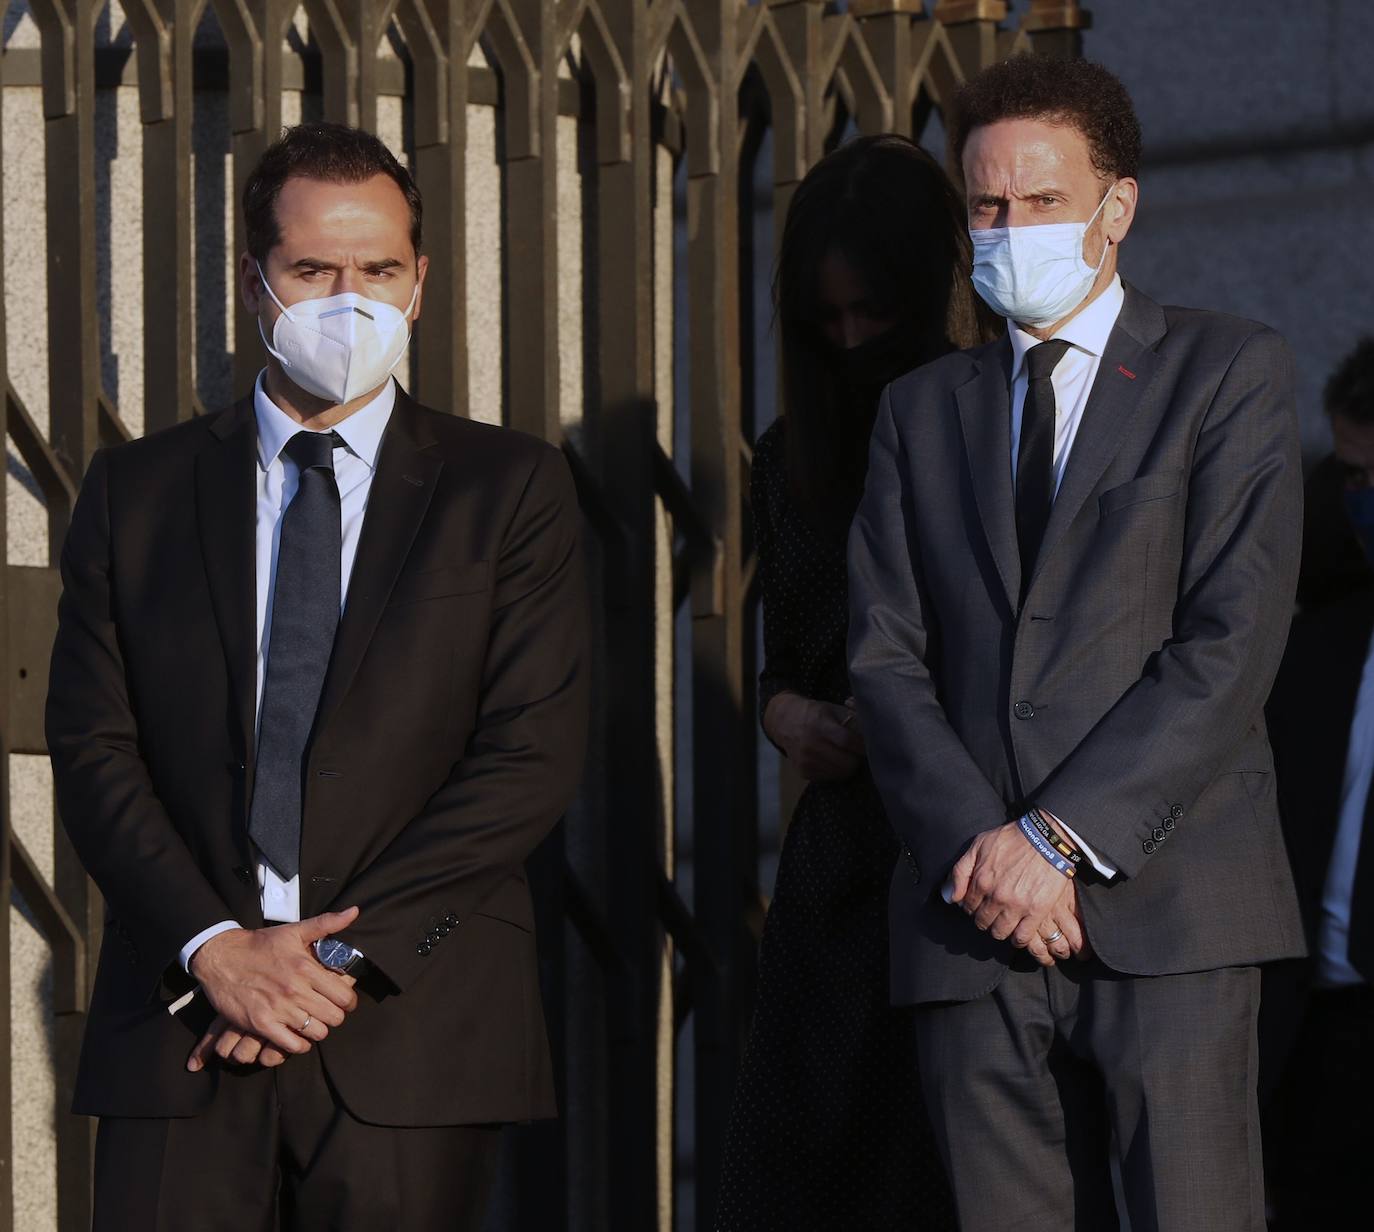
(1125, 371)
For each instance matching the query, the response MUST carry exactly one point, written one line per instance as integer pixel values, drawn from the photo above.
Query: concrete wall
(1259, 155)
(119, 281)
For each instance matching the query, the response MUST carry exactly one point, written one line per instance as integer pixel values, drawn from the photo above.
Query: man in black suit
(1071, 578)
(317, 692)
(1318, 1019)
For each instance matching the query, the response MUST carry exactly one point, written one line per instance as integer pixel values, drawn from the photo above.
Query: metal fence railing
(589, 112)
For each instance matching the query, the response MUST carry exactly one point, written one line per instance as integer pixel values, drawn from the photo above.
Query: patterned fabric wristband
(1033, 836)
(1042, 822)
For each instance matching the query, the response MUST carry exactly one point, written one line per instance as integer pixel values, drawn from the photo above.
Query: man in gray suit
(1072, 575)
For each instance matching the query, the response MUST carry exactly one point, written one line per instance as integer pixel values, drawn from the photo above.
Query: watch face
(335, 954)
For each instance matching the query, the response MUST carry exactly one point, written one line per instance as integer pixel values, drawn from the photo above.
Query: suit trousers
(275, 1151)
(1029, 1085)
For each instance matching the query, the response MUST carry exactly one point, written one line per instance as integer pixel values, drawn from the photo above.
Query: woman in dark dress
(827, 1130)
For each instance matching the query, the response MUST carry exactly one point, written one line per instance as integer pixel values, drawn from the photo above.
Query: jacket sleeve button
(1168, 823)
(1148, 846)
(1158, 834)
(1176, 812)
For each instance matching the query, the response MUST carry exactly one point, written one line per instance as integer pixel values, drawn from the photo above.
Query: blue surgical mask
(1359, 508)
(1035, 275)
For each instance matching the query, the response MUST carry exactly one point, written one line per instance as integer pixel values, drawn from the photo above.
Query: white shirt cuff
(188, 950)
(1093, 858)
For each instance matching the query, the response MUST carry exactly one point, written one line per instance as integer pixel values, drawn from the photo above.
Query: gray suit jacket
(1127, 695)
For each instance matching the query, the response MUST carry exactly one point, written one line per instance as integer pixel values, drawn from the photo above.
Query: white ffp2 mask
(1035, 275)
(340, 346)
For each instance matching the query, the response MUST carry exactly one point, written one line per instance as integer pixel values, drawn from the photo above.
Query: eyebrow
(315, 263)
(1042, 190)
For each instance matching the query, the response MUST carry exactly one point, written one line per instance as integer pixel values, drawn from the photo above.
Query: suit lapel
(225, 511)
(407, 474)
(985, 417)
(1127, 368)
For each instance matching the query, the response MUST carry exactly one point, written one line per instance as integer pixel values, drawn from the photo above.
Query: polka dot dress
(827, 1129)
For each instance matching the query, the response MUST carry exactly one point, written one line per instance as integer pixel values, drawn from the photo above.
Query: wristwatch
(340, 956)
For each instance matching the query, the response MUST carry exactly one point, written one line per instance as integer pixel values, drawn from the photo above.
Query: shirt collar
(1087, 332)
(361, 431)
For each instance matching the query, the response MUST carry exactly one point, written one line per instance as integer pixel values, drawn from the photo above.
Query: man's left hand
(1004, 883)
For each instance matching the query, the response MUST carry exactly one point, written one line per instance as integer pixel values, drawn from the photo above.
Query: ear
(421, 269)
(1120, 209)
(251, 290)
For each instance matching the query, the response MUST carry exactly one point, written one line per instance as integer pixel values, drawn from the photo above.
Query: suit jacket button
(243, 873)
(1158, 834)
(1176, 812)
(1148, 846)
(442, 930)
(450, 919)
(1023, 710)
(1168, 823)
(423, 949)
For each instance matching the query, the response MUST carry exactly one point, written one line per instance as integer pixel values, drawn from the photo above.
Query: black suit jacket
(1126, 695)
(449, 740)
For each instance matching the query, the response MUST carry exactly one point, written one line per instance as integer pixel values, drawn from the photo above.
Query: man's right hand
(1066, 918)
(819, 738)
(267, 983)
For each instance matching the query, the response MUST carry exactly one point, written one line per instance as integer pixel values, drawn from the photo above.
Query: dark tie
(1035, 455)
(305, 615)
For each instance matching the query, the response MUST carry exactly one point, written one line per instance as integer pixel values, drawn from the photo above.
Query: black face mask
(871, 365)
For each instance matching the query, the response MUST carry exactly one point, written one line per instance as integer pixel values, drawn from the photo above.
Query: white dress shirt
(1072, 380)
(1333, 933)
(277, 478)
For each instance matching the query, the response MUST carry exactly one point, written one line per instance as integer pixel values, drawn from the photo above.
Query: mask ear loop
(410, 332)
(1106, 243)
(267, 286)
(285, 311)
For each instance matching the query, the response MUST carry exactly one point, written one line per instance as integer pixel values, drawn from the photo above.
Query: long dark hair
(885, 206)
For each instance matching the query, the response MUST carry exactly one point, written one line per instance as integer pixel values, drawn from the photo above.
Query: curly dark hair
(1074, 92)
(318, 151)
(1349, 390)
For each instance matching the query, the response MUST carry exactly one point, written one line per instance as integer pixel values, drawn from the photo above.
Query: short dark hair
(1073, 92)
(318, 151)
(1349, 391)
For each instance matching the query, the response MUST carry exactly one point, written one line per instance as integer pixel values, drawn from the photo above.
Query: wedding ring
(1053, 937)
(309, 1018)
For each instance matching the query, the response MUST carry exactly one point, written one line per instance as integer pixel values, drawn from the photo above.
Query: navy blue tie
(305, 616)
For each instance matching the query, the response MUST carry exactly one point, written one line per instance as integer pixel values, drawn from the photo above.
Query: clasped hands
(1013, 893)
(824, 741)
(273, 998)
